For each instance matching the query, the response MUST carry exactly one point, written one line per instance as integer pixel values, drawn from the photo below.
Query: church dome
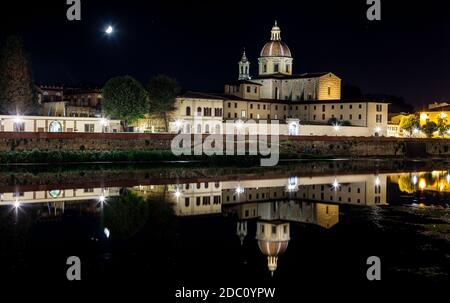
(275, 49)
(272, 248)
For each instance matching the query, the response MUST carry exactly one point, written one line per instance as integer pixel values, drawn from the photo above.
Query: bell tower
(244, 68)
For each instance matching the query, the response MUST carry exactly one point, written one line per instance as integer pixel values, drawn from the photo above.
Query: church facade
(302, 104)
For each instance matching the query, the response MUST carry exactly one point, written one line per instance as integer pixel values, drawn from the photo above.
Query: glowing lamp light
(448, 178)
(177, 194)
(377, 129)
(443, 115)
(239, 124)
(106, 232)
(16, 204)
(239, 190)
(414, 180)
(422, 184)
(336, 127)
(423, 116)
(178, 123)
(104, 121)
(102, 198)
(416, 131)
(109, 30)
(335, 184)
(18, 119)
(377, 181)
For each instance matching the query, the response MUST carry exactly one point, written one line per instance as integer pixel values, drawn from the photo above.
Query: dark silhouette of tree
(125, 98)
(18, 94)
(429, 128)
(163, 91)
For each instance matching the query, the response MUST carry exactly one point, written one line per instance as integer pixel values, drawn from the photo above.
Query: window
(264, 106)
(379, 118)
(359, 117)
(216, 200)
(207, 128)
(199, 111)
(19, 126)
(251, 116)
(197, 201)
(274, 229)
(323, 116)
(329, 90)
(332, 106)
(235, 115)
(89, 128)
(255, 90)
(235, 105)
(248, 89)
(199, 128)
(251, 106)
(350, 106)
(323, 108)
(217, 129)
(341, 117)
(379, 107)
(265, 68)
(276, 67)
(243, 114)
(341, 107)
(350, 116)
(276, 107)
(360, 106)
(186, 202)
(287, 68)
(188, 111)
(229, 104)
(55, 127)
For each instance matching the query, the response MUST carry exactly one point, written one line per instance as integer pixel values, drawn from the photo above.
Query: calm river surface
(197, 227)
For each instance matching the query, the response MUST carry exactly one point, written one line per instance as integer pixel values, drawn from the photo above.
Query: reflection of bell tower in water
(241, 231)
(273, 239)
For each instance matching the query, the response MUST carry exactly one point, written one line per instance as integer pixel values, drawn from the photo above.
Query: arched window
(55, 127)
(217, 129)
(199, 111)
(188, 128)
(188, 111)
(207, 128)
(199, 128)
(276, 93)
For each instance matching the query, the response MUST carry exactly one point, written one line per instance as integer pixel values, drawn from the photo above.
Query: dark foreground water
(289, 228)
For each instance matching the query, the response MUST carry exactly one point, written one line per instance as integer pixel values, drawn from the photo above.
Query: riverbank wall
(289, 145)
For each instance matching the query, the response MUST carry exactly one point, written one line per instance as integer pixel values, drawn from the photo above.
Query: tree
(17, 92)
(409, 123)
(125, 98)
(163, 91)
(429, 128)
(442, 126)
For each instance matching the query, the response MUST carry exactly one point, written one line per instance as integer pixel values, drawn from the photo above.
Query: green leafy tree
(429, 128)
(17, 91)
(409, 123)
(163, 91)
(125, 98)
(442, 126)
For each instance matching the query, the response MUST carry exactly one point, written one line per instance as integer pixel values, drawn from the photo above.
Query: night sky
(404, 54)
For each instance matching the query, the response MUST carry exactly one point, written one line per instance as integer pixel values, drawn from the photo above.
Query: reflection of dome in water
(273, 240)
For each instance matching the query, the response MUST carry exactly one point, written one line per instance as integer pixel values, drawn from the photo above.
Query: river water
(196, 227)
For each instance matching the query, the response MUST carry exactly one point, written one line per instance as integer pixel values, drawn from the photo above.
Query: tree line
(124, 97)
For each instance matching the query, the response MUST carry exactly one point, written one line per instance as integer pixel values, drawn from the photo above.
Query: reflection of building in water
(241, 230)
(58, 199)
(349, 189)
(189, 199)
(57, 195)
(273, 238)
(424, 181)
